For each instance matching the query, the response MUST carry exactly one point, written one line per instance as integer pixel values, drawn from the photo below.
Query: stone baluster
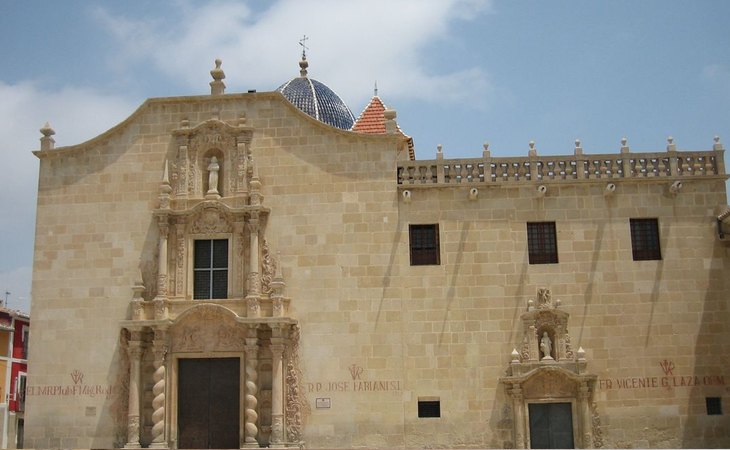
(159, 440)
(585, 412)
(277, 389)
(424, 176)
(254, 276)
(697, 166)
(134, 351)
(251, 416)
(519, 415)
(411, 172)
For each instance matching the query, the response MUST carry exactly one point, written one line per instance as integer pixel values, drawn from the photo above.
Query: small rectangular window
(210, 269)
(714, 406)
(645, 239)
(424, 244)
(542, 243)
(429, 408)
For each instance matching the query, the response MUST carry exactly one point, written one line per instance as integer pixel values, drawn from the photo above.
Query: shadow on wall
(712, 358)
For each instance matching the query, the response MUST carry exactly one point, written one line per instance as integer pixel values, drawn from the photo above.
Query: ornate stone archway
(546, 370)
(169, 321)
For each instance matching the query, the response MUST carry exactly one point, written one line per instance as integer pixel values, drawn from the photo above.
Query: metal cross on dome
(303, 42)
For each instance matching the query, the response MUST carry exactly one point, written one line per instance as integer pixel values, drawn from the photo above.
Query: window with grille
(424, 243)
(210, 269)
(714, 406)
(645, 239)
(542, 243)
(429, 408)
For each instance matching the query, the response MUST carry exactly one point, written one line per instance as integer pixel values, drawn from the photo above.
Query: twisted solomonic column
(251, 430)
(158, 392)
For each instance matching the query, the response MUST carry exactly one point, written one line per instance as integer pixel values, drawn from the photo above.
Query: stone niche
(547, 370)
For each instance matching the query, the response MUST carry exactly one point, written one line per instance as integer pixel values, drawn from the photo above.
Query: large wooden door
(551, 425)
(208, 403)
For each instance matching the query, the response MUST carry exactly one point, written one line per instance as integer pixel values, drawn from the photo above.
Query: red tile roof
(372, 121)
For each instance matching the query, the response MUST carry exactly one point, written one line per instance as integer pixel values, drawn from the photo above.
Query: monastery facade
(256, 269)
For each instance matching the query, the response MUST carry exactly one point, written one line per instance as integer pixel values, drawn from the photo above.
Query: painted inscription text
(668, 381)
(77, 389)
(356, 385)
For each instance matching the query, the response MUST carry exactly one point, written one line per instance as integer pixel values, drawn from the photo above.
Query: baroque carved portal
(546, 371)
(210, 202)
(270, 403)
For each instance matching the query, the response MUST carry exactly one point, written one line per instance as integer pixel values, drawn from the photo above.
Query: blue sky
(458, 72)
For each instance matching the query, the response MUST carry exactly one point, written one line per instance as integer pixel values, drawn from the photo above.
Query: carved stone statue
(544, 298)
(213, 169)
(546, 345)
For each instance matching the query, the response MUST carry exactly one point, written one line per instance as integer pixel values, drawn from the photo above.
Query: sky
(458, 72)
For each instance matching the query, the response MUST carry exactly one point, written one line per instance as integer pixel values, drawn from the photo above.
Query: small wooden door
(551, 425)
(208, 403)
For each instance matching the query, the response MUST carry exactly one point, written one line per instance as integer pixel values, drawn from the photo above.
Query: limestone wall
(378, 333)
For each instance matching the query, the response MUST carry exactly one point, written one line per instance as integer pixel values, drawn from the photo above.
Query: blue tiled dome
(317, 100)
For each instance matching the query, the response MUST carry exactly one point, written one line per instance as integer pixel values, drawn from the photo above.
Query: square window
(424, 243)
(542, 243)
(645, 239)
(714, 406)
(429, 408)
(210, 269)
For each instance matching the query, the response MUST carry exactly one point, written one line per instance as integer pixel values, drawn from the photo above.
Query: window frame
(25, 338)
(645, 239)
(192, 271)
(429, 408)
(423, 255)
(540, 249)
(713, 406)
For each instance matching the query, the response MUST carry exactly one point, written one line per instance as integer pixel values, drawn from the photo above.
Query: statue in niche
(213, 169)
(546, 346)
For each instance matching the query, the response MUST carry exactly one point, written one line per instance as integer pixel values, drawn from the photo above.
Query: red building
(14, 334)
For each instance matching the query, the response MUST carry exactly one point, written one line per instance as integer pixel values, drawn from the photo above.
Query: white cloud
(76, 114)
(352, 44)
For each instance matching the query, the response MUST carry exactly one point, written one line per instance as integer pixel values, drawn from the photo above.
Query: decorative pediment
(211, 218)
(207, 328)
(212, 128)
